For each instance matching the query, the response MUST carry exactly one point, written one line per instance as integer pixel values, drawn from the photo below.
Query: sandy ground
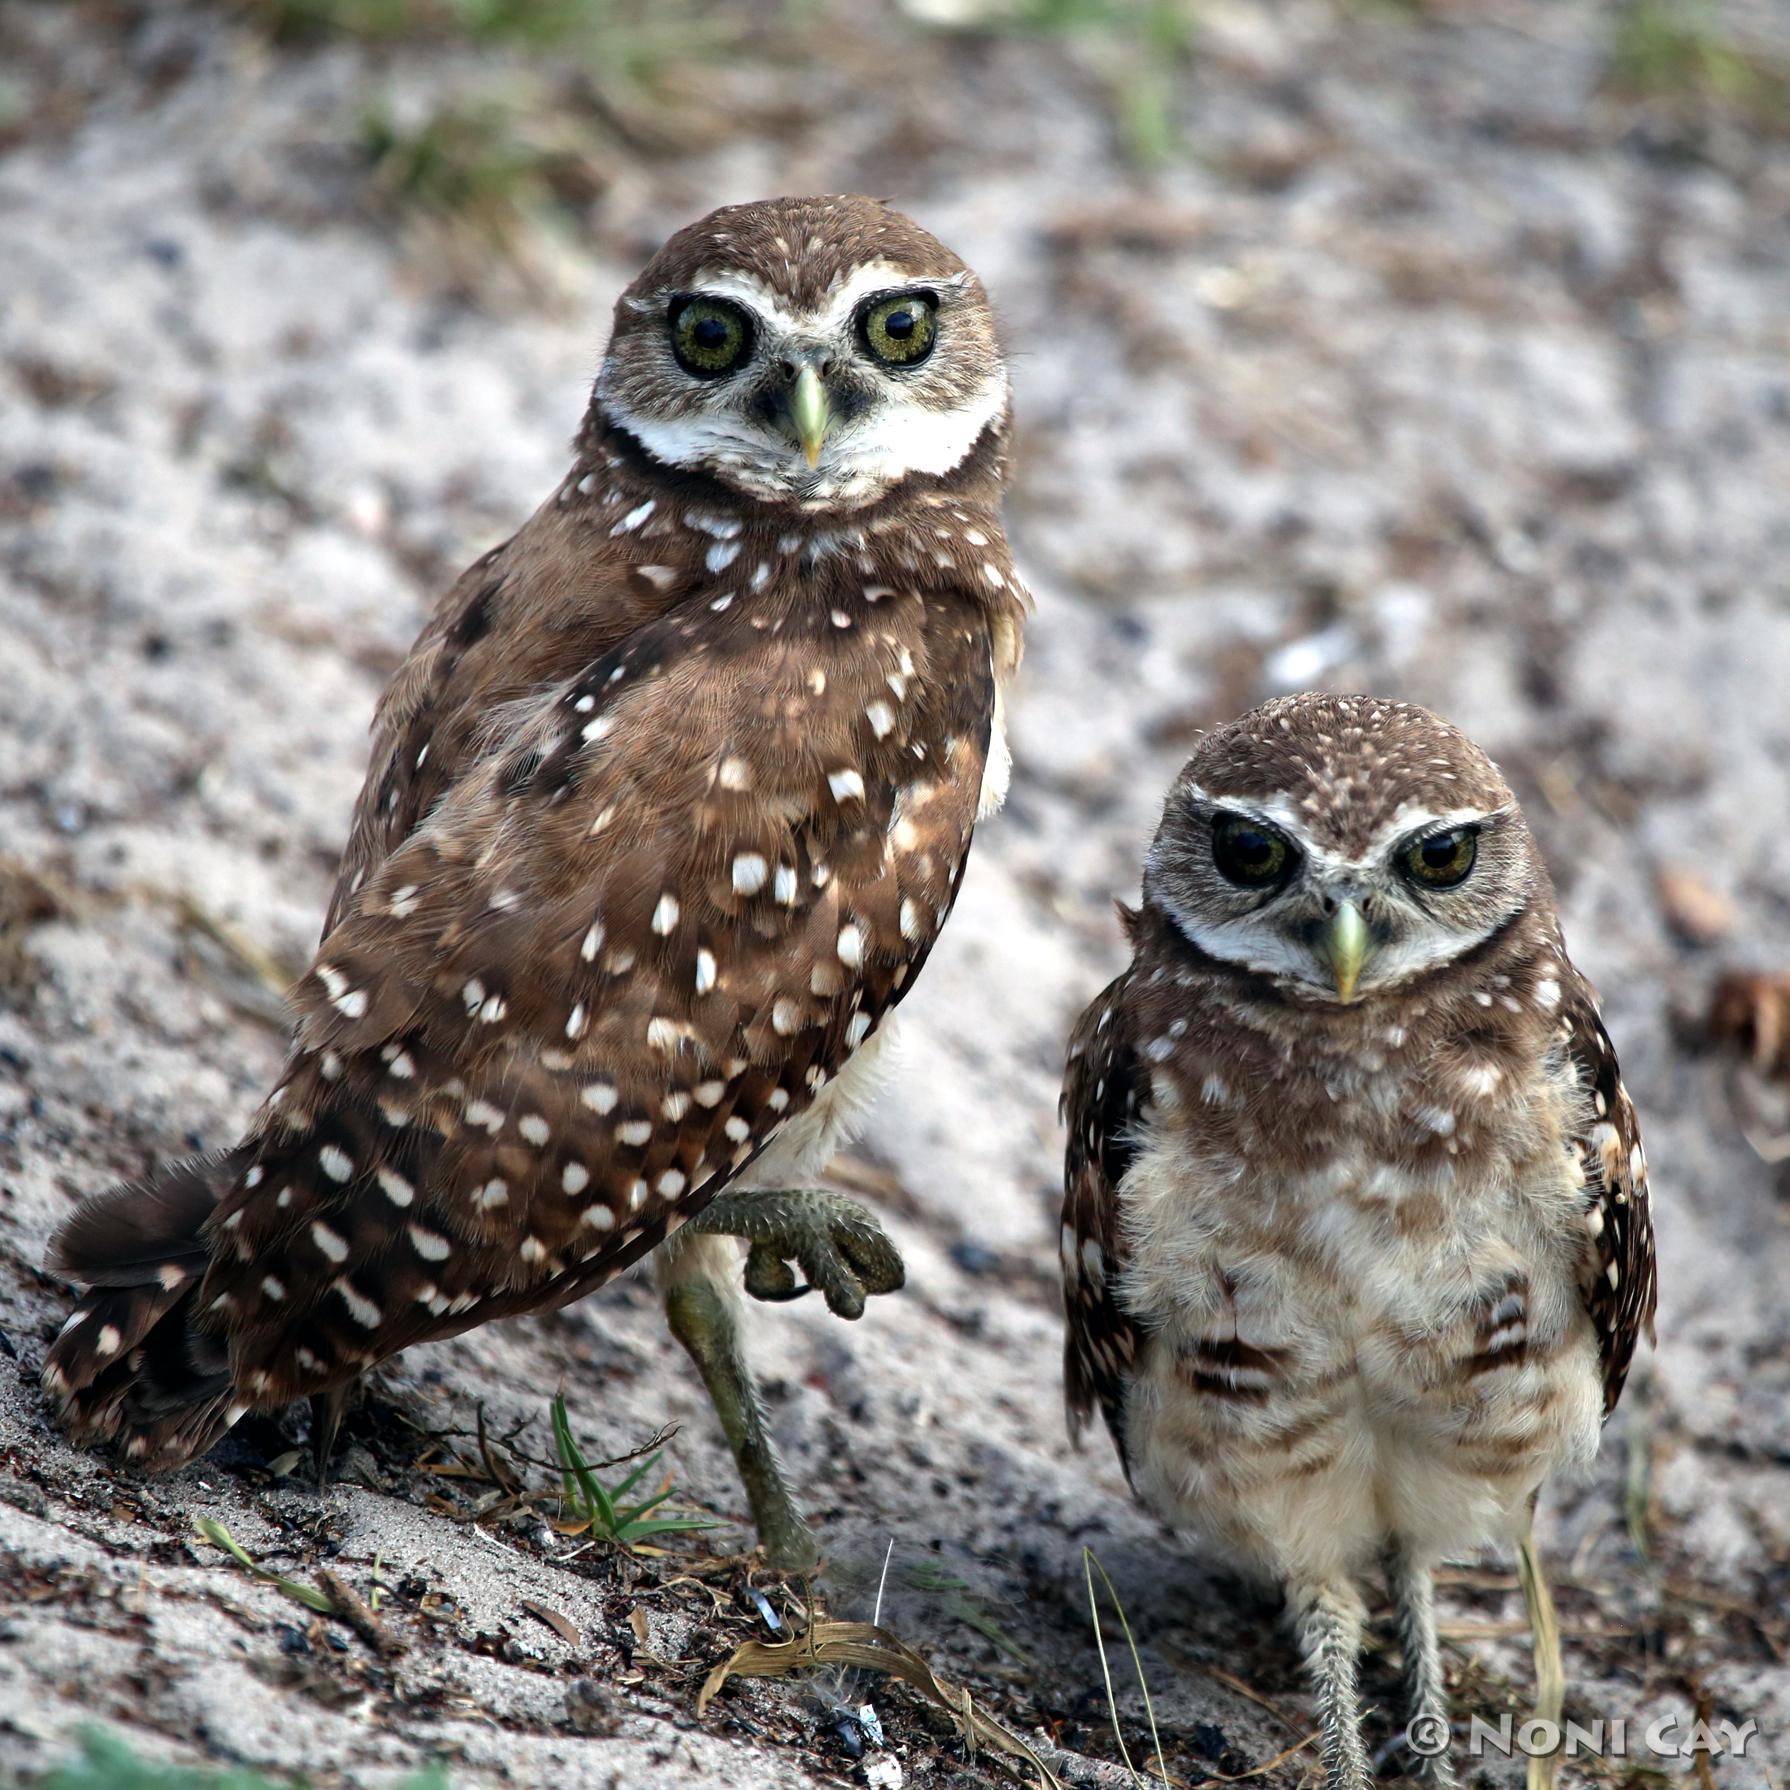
(1424, 365)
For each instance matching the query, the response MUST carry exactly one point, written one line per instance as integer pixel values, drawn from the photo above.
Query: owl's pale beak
(810, 412)
(1346, 946)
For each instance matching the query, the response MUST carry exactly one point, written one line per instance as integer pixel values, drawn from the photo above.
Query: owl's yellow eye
(899, 330)
(710, 336)
(1443, 859)
(1250, 852)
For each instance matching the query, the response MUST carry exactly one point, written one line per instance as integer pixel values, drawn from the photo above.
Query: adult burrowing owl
(666, 809)
(1356, 1242)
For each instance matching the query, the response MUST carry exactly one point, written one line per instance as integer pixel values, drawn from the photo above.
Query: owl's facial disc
(892, 373)
(1254, 883)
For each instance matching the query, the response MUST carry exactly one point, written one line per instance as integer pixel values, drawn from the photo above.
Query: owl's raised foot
(842, 1250)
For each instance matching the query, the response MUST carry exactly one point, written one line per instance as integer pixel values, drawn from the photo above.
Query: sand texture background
(1438, 350)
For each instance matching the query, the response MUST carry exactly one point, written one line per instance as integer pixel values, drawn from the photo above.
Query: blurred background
(1439, 348)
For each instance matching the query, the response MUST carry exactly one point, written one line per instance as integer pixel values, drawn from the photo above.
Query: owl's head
(808, 351)
(1341, 846)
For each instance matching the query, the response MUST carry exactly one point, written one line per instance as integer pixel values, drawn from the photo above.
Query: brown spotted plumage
(1356, 1238)
(666, 809)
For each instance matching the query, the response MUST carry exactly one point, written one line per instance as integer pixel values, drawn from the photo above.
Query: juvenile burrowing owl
(1356, 1242)
(666, 809)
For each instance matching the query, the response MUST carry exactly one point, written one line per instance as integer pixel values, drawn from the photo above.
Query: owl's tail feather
(132, 1366)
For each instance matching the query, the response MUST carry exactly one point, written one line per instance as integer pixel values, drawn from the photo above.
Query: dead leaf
(1699, 914)
(28, 898)
(353, 1610)
(866, 1647)
(1752, 1011)
(560, 1625)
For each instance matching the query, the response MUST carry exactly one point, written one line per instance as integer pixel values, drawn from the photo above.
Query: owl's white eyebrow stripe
(1410, 822)
(1413, 823)
(770, 311)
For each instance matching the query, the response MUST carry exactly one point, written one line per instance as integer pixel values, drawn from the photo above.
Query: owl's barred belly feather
(1358, 1354)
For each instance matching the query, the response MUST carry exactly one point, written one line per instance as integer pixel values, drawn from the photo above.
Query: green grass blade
(214, 1532)
(668, 1526)
(107, 1762)
(592, 1500)
(626, 1513)
(634, 1478)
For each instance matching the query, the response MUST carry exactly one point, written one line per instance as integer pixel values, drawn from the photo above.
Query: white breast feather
(1363, 1323)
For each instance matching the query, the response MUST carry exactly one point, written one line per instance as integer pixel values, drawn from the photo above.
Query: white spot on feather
(749, 872)
(395, 1187)
(430, 1245)
(362, 1309)
(330, 1244)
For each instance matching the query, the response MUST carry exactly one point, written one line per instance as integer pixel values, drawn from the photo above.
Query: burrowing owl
(1356, 1242)
(666, 809)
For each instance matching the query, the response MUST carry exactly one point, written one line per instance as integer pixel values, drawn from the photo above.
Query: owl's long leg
(1329, 1620)
(326, 1421)
(840, 1247)
(699, 1278)
(841, 1250)
(1426, 1686)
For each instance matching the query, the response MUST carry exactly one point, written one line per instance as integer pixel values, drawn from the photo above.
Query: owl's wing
(625, 948)
(1103, 1090)
(1619, 1280)
(533, 610)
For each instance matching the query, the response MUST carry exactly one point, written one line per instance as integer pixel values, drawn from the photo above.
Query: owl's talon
(843, 1252)
(770, 1278)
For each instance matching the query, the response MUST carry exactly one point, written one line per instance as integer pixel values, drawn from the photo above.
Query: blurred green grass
(521, 139)
(108, 1763)
(1682, 51)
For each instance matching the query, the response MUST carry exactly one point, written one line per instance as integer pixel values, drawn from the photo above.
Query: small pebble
(593, 1708)
(974, 1258)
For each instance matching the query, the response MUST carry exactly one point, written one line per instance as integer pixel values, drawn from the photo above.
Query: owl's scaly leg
(841, 1249)
(699, 1278)
(1329, 1620)
(1426, 1688)
(326, 1420)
